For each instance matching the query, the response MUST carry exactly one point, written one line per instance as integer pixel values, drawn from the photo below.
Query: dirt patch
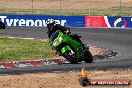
(61, 80)
(95, 50)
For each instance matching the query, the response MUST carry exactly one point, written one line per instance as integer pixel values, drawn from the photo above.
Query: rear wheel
(89, 57)
(70, 57)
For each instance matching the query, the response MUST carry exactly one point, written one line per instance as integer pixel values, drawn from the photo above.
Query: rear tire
(70, 57)
(89, 57)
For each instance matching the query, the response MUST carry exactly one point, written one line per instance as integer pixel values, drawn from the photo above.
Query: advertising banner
(71, 21)
(40, 20)
(95, 21)
(121, 22)
(108, 21)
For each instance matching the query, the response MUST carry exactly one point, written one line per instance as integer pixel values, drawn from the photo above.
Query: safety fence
(71, 21)
(67, 7)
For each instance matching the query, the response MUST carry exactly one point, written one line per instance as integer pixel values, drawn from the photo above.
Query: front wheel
(70, 57)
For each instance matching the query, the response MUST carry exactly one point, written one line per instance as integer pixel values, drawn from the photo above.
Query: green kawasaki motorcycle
(70, 48)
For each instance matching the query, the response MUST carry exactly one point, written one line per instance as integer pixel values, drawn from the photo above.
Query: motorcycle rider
(53, 27)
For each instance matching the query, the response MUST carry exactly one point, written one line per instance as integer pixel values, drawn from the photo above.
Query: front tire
(70, 57)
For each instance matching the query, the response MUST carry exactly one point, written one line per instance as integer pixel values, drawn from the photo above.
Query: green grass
(18, 49)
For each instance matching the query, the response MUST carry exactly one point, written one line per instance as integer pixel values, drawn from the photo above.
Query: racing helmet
(50, 23)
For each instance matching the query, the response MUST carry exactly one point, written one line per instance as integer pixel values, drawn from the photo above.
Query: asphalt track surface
(119, 40)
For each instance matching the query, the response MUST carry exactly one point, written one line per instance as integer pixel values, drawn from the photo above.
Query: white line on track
(27, 38)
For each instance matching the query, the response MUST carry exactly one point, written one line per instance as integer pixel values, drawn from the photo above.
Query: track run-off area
(118, 40)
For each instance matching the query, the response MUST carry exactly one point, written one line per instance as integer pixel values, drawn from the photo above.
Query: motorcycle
(70, 48)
